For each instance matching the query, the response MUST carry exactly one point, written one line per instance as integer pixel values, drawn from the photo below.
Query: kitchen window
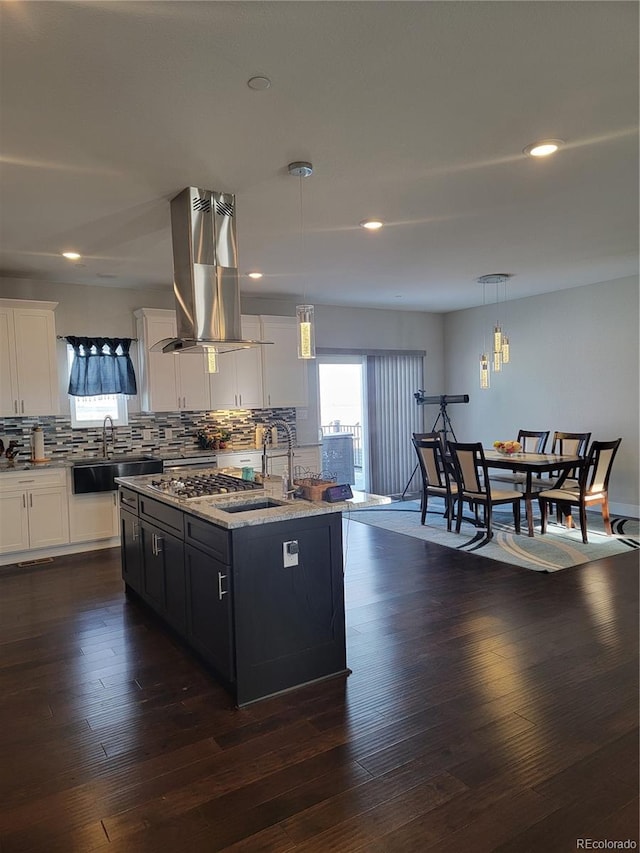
(91, 411)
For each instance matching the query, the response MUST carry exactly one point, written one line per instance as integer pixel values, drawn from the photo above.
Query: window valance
(101, 366)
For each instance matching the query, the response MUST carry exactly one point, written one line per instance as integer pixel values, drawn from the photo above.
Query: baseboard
(626, 510)
(59, 551)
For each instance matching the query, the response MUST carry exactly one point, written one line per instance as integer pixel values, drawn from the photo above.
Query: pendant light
(212, 359)
(304, 313)
(485, 380)
(500, 349)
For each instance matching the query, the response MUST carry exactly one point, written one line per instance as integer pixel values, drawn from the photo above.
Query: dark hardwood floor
(490, 708)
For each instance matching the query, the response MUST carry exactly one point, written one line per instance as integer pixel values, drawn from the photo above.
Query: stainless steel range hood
(205, 274)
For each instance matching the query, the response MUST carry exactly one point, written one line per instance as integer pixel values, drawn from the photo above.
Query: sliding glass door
(368, 413)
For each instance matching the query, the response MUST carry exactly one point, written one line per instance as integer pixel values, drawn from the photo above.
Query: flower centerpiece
(508, 448)
(213, 439)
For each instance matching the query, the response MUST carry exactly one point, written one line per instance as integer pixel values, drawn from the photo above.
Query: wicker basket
(312, 489)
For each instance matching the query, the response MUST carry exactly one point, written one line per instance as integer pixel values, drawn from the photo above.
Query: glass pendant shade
(306, 331)
(484, 373)
(212, 360)
(497, 339)
(497, 362)
(506, 354)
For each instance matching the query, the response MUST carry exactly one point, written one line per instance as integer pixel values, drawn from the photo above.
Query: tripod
(446, 424)
(446, 427)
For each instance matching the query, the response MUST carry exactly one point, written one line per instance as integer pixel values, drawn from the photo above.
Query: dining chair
(436, 477)
(564, 444)
(474, 485)
(592, 488)
(532, 441)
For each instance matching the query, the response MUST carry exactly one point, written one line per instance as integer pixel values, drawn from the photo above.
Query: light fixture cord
(302, 252)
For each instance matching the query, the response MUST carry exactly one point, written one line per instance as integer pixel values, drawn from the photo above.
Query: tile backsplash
(169, 431)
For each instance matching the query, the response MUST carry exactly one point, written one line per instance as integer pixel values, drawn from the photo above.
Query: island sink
(264, 503)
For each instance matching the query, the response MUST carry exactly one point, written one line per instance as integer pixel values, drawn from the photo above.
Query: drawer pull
(221, 591)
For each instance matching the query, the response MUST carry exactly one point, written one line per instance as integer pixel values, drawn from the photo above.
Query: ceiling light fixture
(255, 275)
(304, 313)
(259, 83)
(543, 148)
(371, 224)
(71, 256)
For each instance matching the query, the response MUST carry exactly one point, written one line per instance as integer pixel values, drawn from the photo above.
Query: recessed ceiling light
(371, 224)
(543, 148)
(254, 274)
(259, 83)
(71, 256)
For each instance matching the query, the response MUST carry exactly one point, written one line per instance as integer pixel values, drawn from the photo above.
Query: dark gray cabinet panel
(209, 607)
(289, 622)
(131, 550)
(163, 580)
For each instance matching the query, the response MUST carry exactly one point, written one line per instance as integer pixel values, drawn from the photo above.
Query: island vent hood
(205, 274)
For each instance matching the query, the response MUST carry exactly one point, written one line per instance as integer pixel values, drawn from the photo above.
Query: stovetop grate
(203, 485)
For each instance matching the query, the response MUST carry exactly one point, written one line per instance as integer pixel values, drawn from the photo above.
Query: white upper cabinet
(168, 382)
(284, 374)
(28, 368)
(238, 384)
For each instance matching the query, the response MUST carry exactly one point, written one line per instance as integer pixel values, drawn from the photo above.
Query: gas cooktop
(202, 485)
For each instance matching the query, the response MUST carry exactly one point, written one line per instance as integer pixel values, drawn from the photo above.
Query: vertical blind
(393, 416)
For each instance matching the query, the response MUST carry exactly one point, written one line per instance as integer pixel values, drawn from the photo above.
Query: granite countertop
(211, 508)
(23, 463)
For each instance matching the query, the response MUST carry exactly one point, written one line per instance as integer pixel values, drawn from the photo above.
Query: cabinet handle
(22, 406)
(115, 499)
(30, 499)
(24, 501)
(15, 407)
(184, 402)
(221, 591)
(240, 398)
(135, 531)
(156, 544)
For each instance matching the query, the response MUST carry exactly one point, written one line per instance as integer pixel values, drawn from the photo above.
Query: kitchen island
(251, 582)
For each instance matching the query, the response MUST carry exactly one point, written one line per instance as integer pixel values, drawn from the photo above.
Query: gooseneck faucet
(289, 433)
(112, 430)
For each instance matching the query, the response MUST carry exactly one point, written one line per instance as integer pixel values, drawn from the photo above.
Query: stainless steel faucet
(289, 433)
(112, 430)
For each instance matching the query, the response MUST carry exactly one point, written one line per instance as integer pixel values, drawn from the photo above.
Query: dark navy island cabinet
(260, 626)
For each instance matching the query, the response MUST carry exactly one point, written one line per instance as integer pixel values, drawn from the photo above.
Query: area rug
(558, 549)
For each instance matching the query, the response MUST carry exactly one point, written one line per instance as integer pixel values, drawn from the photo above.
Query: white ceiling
(414, 112)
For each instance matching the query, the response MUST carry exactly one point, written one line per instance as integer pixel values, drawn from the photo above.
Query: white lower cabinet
(33, 510)
(93, 517)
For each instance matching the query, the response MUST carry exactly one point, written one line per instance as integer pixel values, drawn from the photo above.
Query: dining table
(533, 464)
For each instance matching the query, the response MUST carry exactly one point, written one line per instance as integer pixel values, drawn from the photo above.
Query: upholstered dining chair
(436, 477)
(592, 488)
(474, 487)
(532, 441)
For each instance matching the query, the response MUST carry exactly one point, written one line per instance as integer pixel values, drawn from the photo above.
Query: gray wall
(363, 329)
(574, 367)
